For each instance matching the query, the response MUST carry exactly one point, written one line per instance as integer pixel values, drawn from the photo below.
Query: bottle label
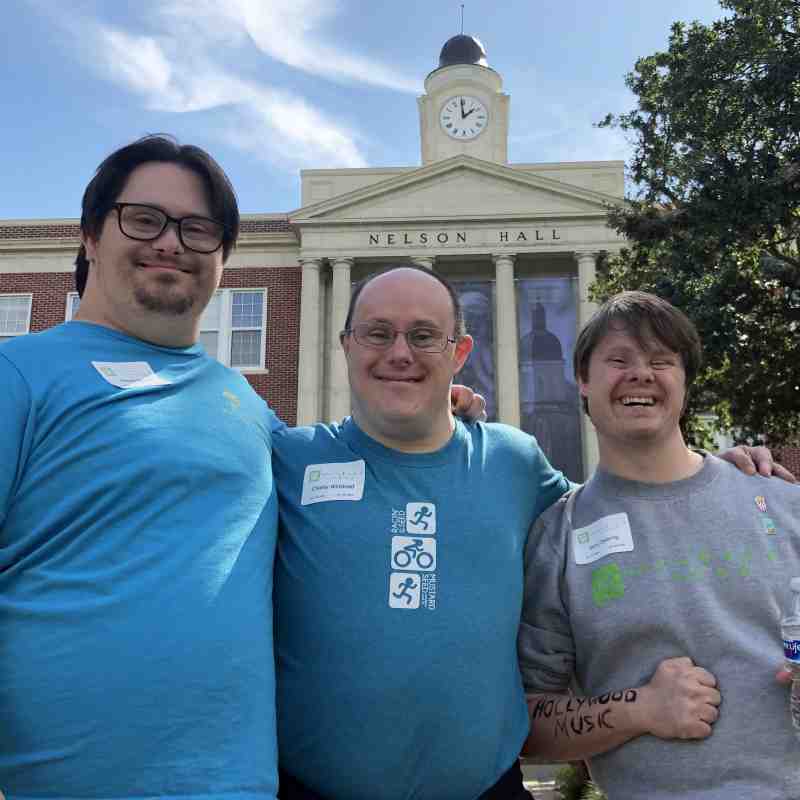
(791, 649)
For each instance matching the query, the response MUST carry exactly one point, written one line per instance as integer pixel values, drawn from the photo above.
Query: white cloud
(135, 61)
(177, 68)
(287, 31)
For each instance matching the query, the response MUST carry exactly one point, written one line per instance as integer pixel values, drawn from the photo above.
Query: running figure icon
(404, 586)
(422, 514)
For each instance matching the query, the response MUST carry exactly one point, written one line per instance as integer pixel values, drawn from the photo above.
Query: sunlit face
(402, 390)
(131, 281)
(634, 393)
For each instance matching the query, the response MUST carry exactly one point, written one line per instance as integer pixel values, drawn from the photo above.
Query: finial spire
(462, 19)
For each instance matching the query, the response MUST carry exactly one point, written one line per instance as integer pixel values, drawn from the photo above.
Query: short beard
(164, 302)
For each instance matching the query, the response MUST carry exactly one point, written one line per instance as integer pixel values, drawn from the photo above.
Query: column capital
(342, 262)
(504, 258)
(581, 255)
(426, 262)
(310, 263)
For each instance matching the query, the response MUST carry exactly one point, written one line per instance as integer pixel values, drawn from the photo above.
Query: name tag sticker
(607, 535)
(323, 482)
(129, 374)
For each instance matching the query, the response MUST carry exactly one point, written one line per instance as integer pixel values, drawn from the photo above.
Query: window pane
(74, 303)
(246, 349)
(14, 314)
(210, 342)
(210, 318)
(246, 310)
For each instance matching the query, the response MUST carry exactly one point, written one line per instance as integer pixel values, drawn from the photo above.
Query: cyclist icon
(413, 552)
(404, 586)
(422, 513)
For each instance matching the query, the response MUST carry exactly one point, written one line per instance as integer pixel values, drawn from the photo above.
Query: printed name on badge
(323, 482)
(129, 374)
(607, 535)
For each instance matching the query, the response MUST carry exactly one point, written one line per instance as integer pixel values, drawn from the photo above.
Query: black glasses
(381, 336)
(145, 223)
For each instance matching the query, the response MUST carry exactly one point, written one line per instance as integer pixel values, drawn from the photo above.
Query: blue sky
(270, 87)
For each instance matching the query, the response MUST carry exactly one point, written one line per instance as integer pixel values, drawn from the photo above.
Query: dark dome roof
(463, 49)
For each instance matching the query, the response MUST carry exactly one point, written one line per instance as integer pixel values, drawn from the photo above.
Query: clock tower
(464, 109)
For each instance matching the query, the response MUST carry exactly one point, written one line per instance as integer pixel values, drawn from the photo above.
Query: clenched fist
(681, 700)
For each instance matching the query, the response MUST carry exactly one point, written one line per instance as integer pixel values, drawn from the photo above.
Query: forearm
(566, 728)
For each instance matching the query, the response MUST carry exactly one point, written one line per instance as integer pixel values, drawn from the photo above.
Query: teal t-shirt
(137, 532)
(398, 589)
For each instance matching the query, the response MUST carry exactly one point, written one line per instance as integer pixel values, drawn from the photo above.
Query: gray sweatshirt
(643, 572)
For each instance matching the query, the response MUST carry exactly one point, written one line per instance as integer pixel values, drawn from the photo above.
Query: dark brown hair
(112, 175)
(644, 316)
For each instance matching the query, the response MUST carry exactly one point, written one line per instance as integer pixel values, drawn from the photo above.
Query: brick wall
(49, 290)
(66, 229)
(56, 230)
(278, 388)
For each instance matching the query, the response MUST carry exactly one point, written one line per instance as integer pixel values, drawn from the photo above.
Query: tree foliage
(714, 225)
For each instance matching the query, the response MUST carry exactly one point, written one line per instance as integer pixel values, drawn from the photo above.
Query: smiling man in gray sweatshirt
(654, 591)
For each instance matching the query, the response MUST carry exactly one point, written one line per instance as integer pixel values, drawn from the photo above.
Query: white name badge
(129, 374)
(323, 482)
(607, 535)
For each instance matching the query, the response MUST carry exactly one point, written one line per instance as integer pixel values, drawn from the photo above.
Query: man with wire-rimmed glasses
(398, 582)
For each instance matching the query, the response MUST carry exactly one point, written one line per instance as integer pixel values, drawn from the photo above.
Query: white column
(308, 377)
(506, 341)
(426, 262)
(339, 386)
(586, 308)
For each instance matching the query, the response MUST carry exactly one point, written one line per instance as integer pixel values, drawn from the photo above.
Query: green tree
(714, 225)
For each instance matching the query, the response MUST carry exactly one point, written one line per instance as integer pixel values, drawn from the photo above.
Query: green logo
(314, 475)
(607, 585)
(583, 538)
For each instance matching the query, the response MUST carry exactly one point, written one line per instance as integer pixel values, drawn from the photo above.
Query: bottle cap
(794, 584)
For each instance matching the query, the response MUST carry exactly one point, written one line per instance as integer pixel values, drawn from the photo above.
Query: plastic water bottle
(790, 631)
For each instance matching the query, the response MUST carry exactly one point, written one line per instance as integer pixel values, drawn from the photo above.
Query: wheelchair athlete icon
(413, 552)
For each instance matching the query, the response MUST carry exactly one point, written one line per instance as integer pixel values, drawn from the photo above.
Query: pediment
(460, 187)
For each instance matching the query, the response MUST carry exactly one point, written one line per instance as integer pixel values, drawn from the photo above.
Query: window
(15, 315)
(73, 301)
(233, 329)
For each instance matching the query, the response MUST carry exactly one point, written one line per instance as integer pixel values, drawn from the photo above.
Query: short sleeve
(16, 416)
(545, 646)
(552, 483)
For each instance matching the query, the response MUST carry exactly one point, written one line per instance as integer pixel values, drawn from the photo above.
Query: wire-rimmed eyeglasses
(381, 336)
(145, 223)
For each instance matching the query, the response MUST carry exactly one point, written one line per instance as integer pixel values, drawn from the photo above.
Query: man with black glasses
(137, 513)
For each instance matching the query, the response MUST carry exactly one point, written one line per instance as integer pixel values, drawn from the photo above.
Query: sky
(270, 87)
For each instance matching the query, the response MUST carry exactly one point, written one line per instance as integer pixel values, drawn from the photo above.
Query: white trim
(225, 329)
(68, 309)
(9, 334)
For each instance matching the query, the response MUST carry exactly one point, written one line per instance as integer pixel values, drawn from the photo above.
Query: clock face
(463, 117)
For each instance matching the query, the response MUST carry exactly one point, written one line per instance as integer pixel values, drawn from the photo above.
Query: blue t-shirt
(137, 531)
(398, 589)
